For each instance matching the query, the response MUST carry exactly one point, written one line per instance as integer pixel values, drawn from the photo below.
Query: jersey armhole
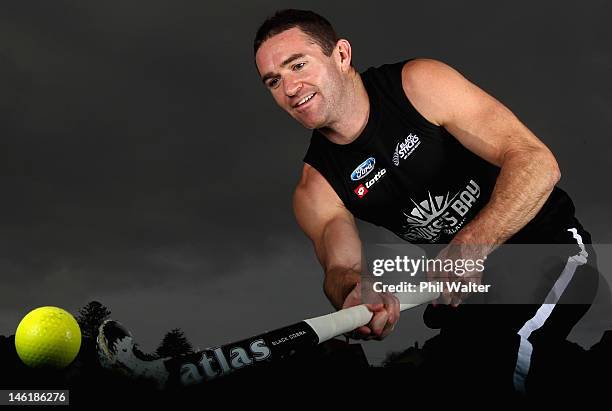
(398, 87)
(315, 160)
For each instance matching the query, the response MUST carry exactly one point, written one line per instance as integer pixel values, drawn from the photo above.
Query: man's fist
(384, 306)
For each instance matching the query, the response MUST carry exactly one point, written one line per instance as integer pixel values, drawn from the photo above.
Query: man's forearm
(338, 284)
(524, 183)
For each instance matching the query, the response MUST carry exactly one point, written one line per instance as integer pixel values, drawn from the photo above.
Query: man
(395, 146)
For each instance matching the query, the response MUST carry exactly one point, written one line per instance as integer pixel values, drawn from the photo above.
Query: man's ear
(344, 54)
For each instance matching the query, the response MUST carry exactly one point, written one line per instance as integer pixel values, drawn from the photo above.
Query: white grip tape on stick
(331, 325)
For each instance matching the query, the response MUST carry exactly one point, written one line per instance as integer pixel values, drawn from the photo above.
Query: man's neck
(352, 114)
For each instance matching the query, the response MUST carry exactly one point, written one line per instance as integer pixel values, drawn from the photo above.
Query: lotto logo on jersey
(363, 188)
(361, 191)
(380, 174)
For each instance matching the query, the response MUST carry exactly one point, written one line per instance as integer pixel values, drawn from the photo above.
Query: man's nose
(292, 85)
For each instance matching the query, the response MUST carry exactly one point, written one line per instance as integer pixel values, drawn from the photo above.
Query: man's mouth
(304, 100)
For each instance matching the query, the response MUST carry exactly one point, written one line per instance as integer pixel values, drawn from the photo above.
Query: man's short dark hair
(315, 26)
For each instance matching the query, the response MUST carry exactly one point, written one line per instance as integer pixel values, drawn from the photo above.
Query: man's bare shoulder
(418, 73)
(314, 187)
(427, 83)
(314, 196)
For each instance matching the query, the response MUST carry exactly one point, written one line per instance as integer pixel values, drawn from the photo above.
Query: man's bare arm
(332, 230)
(483, 125)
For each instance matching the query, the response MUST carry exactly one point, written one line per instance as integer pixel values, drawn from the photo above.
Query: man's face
(302, 79)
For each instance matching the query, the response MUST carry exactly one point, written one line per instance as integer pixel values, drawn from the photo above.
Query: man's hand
(467, 261)
(386, 309)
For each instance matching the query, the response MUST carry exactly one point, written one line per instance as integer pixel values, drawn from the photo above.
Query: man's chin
(311, 124)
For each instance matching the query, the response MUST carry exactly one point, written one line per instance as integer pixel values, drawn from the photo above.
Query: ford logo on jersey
(363, 169)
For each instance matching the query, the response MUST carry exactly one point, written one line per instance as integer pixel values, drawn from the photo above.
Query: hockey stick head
(117, 351)
(115, 344)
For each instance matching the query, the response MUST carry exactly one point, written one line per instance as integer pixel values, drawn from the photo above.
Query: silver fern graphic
(396, 158)
(404, 148)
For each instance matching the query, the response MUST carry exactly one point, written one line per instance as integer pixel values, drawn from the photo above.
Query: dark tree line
(92, 315)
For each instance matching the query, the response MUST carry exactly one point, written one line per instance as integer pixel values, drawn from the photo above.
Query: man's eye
(272, 83)
(298, 66)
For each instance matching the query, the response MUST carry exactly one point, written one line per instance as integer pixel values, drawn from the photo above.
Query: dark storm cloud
(143, 163)
(124, 136)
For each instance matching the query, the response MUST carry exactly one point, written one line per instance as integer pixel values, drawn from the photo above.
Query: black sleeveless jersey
(410, 176)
